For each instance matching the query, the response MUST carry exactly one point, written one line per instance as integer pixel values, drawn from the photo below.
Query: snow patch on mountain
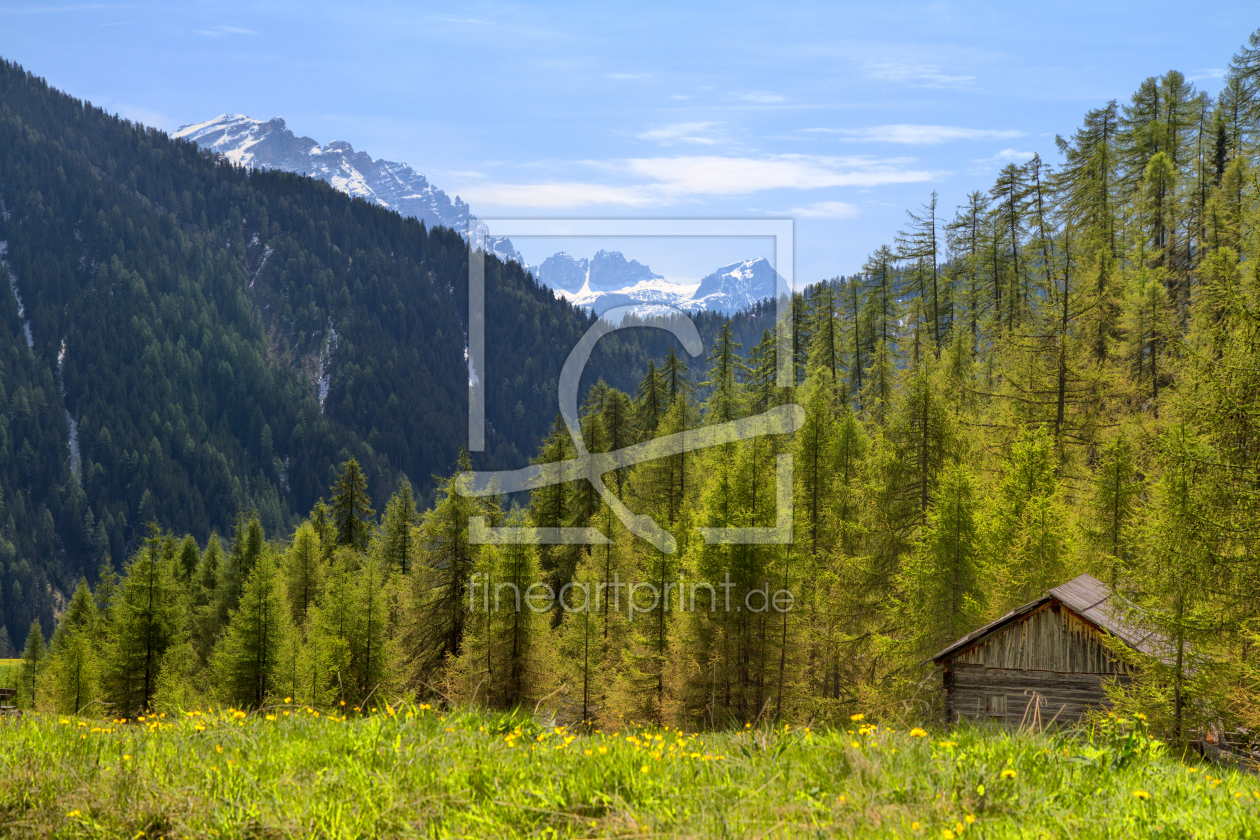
(17, 295)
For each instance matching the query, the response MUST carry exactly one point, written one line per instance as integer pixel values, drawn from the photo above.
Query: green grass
(420, 772)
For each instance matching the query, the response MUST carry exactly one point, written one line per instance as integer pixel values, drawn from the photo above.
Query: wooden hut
(1045, 659)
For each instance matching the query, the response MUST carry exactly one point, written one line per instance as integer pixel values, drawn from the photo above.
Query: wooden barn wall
(1001, 696)
(1050, 639)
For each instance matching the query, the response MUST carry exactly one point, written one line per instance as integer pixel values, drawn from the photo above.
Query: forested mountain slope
(183, 338)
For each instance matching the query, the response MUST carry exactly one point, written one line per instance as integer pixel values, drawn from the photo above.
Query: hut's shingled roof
(1086, 596)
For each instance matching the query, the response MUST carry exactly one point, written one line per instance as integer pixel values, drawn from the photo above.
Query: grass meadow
(288, 771)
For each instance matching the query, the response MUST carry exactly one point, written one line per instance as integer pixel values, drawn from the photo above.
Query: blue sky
(839, 115)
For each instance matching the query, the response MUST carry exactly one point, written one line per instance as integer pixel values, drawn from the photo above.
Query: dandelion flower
(73, 814)
(643, 769)
(1009, 773)
(588, 752)
(914, 826)
(603, 750)
(1141, 794)
(918, 733)
(969, 819)
(288, 699)
(857, 717)
(271, 717)
(126, 757)
(947, 834)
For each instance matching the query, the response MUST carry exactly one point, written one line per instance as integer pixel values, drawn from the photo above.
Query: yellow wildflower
(1141, 794)
(969, 819)
(857, 717)
(643, 769)
(1009, 773)
(918, 733)
(947, 834)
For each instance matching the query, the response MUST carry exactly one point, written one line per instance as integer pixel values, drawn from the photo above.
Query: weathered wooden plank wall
(1048, 639)
(973, 690)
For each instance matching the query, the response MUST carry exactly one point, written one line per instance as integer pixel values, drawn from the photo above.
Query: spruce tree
(650, 401)
(399, 528)
(189, 558)
(73, 669)
(142, 621)
(246, 659)
(351, 508)
(942, 583)
(33, 656)
(303, 572)
(371, 667)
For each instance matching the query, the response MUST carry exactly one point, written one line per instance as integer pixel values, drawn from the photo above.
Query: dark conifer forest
(1060, 376)
(198, 340)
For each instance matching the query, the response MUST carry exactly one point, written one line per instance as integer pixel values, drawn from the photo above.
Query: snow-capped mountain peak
(608, 280)
(737, 286)
(604, 281)
(270, 144)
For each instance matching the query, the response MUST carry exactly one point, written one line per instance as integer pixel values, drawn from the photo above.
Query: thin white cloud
(558, 194)
(1210, 73)
(628, 77)
(700, 133)
(1006, 156)
(915, 75)
(667, 180)
(220, 31)
(763, 98)
(742, 175)
(918, 135)
(825, 210)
